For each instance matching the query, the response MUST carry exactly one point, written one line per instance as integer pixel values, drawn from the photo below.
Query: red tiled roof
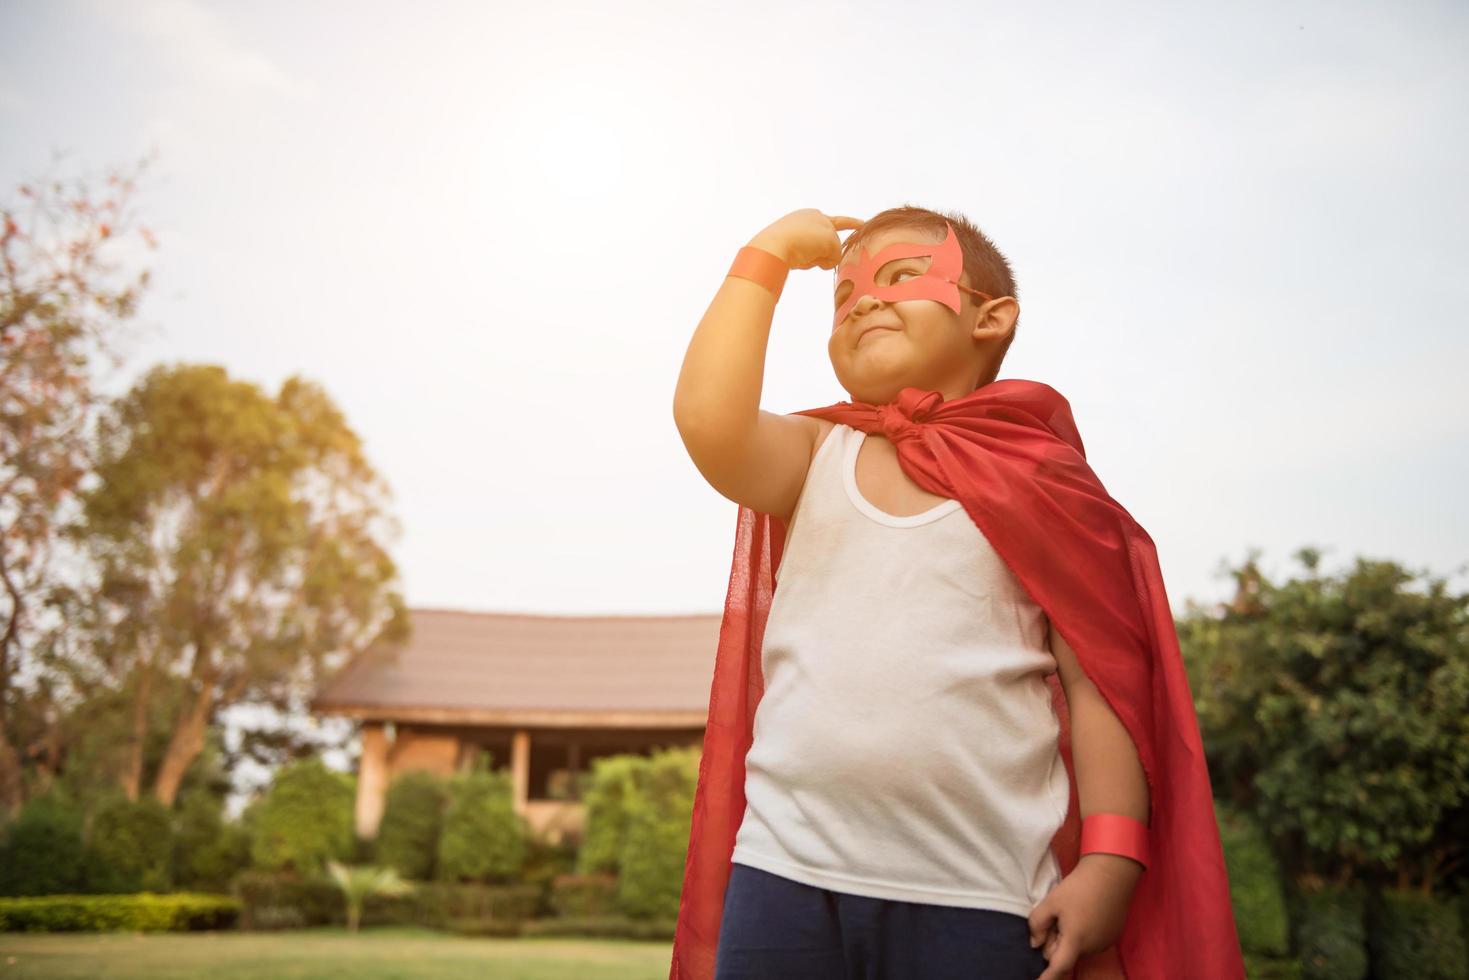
(489, 668)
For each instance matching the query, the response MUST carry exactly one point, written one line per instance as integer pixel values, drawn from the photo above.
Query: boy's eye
(841, 295)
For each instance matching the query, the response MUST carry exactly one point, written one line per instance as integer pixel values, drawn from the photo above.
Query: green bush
(613, 782)
(484, 839)
(413, 816)
(659, 812)
(304, 820)
(43, 853)
(111, 913)
(545, 861)
(208, 850)
(1416, 935)
(1331, 936)
(1254, 884)
(130, 846)
(583, 896)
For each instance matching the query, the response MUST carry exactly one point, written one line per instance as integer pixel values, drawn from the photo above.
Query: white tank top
(904, 746)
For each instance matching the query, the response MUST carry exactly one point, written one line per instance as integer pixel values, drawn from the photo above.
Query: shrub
(43, 852)
(130, 846)
(305, 820)
(613, 782)
(1331, 935)
(108, 913)
(208, 850)
(545, 861)
(483, 839)
(1415, 935)
(1254, 884)
(413, 815)
(659, 812)
(360, 882)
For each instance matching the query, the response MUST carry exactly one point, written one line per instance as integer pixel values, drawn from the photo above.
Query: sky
(489, 230)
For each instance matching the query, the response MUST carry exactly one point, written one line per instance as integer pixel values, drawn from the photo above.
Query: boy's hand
(1085, 913)
(806, 238)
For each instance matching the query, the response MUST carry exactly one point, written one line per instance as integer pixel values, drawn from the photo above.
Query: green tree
(238, 541)
(1336, 707)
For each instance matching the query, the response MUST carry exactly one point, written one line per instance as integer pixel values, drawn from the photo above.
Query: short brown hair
(989, 271)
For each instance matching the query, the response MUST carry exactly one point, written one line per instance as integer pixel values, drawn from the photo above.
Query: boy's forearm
(718, 392)
(1109, 774)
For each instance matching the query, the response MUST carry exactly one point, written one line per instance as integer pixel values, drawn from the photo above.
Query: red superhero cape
(1011, 454)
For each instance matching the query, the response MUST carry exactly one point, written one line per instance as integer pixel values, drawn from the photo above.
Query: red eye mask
(939, 282)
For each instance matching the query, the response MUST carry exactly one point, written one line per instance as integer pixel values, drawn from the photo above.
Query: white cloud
(202, 43)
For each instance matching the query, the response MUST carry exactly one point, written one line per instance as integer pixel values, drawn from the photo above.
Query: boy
(960, 597)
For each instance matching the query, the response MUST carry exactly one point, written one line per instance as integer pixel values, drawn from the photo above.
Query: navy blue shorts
(778, 929)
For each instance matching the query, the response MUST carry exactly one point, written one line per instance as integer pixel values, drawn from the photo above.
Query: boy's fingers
(1061, 962)
(1040, 921)
(845, 223)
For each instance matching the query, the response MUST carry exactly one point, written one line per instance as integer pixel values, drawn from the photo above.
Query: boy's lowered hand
(807, 238)
(1085, 913)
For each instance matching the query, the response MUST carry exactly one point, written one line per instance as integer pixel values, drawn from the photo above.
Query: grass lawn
(374, 954)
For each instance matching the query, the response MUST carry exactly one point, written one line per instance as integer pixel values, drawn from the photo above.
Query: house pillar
(520, 768)
(372, 779)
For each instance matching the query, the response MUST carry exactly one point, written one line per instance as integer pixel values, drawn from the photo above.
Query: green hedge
(1416, 935)
(1331, 936)
(593, 895)
(110, 913)
(444, 905)
(601, 927)
(276, 901)
(279, 901)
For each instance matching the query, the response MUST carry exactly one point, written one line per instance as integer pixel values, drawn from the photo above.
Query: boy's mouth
(875, 326)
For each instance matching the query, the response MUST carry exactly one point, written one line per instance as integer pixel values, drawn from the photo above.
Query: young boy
(975, 753)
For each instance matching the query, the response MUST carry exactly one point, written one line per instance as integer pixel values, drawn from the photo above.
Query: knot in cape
(899, 419)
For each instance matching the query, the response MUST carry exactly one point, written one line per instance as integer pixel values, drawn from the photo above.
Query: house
(542, 695)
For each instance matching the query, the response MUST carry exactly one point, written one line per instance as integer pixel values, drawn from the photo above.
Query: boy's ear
(995, 318)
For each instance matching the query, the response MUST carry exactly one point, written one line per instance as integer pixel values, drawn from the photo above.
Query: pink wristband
(760, 266)
(1113, 833)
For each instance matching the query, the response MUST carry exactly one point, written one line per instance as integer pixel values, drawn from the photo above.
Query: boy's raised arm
(753, 457)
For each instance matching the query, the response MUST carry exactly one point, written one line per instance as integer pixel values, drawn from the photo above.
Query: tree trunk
(132, 774)
(12, 790)
(185, 744)
(188, 734)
